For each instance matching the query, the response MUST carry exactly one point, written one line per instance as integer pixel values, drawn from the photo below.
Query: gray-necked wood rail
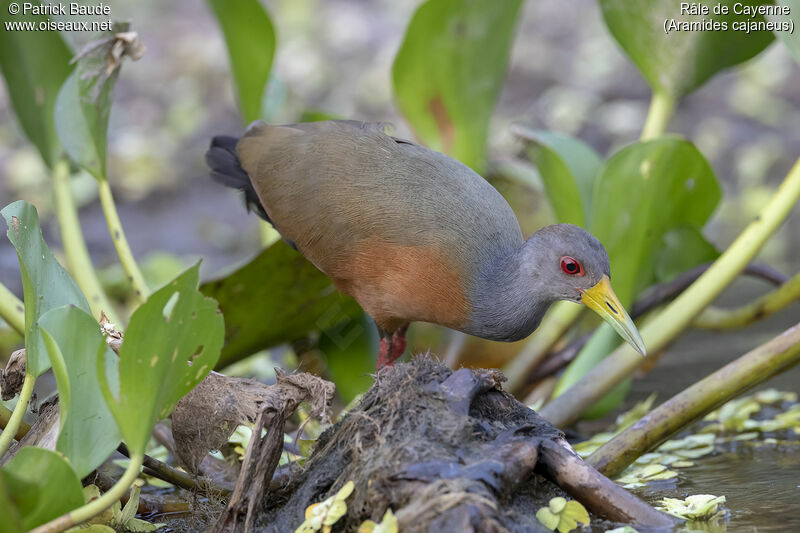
(412, 234)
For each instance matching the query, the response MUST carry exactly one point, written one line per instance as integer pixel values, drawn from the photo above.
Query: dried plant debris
(14, 374)
(445, 451)
(206, 418)
(321, 516)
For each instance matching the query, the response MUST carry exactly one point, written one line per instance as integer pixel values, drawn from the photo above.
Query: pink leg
(392, 347)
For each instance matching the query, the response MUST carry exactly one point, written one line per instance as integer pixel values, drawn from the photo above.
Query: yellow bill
(602, 300)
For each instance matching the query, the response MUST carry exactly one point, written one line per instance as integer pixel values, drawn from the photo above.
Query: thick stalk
(80, 265)
(121, 242)
(658, 116)
(95, 507)
(678, 315)
(698, 400)
(12, 310)
(15, 421)
(715, 318)
(555, 323)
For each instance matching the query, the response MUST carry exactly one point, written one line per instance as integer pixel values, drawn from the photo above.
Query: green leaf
(350, 351)
(449, 71)
(172, 342)
(277, 297)
(82, 122)
(88, 433)
(546, 517)
(34, 65)
(568, 168)
(250, 37)
(11, 522)
(41, 485)
(643, 192)
(681, 61)
(683, 248)
(45, 284)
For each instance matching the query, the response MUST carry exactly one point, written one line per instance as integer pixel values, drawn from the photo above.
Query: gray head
(565, 262)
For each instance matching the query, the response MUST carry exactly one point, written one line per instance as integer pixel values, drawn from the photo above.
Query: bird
(413, 235)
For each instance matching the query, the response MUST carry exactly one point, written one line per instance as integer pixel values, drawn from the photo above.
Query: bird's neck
(508, 305)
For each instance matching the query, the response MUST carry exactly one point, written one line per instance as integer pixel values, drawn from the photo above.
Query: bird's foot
(392, 347)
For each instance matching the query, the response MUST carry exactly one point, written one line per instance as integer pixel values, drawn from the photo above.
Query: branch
(678, 315)
(718, 319)
(746, 372)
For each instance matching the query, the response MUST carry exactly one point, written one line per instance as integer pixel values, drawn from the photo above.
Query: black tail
(226, 170)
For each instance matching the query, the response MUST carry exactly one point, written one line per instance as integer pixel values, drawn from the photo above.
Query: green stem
(772, 302)
(80, 265)
(658, 116)
(678, 315)
(698, 400)
(95, 507)
(15, 421)
(121, 242)
(12, 310)
(555, 323)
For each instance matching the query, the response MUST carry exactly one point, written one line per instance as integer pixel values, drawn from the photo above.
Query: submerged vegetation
(126, 354)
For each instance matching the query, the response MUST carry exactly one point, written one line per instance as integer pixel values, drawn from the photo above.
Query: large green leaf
(678, 62)
(82, 122)
(250, 38)
(277, 297)
(45, 283)
(643, 193)
(568, 168)
(683, 248)
(41, 485)
(11, 522)
(34, 65)
(88, 433)
(449, 71)
(172, 342)
(350, 350)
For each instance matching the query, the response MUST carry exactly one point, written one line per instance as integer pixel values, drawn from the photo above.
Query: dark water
(760, 481)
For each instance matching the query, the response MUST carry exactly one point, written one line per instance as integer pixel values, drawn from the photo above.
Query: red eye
(571, 267)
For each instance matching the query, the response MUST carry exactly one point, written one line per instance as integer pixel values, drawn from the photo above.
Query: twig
(719, 319)
(746, 372)
(164, 472)
(598, 493)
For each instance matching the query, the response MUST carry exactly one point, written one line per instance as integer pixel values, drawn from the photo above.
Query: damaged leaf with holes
(172, 342)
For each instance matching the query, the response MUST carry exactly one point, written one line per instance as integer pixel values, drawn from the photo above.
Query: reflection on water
(761, 484)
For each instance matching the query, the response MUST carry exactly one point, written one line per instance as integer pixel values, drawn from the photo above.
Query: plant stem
(12, 310)
(95, 507)
(715, 318)
(698, 400)
(80, 265)
(561, 316)
(658, 116)
(121, 242)
(15, 421)
(665, 327)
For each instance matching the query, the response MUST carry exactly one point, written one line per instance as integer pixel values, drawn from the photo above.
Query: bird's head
(571, 264)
